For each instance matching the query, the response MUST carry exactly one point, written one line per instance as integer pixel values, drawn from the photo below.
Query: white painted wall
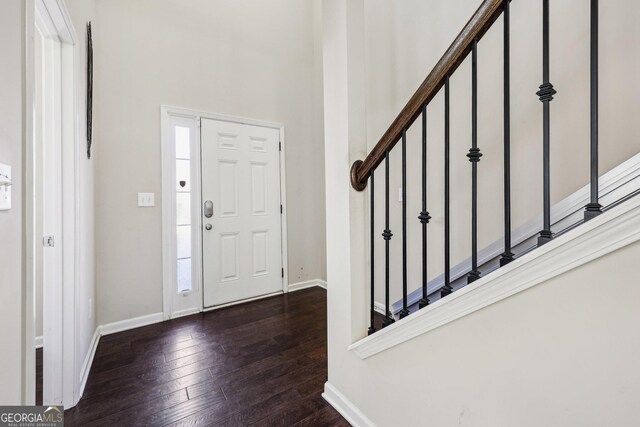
(405, 39)
(253, 59)
(11, 315)
(556, 355)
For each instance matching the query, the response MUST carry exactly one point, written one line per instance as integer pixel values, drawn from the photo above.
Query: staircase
(599, 195)
(522, 313)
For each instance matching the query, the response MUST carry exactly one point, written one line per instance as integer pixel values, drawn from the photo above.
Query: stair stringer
(614, 229)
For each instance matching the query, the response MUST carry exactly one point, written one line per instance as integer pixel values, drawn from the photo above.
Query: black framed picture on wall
(89, 89)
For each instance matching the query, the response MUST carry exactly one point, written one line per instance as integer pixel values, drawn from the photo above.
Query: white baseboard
(348, 410)
(39, 342)
(109, 328)
(136, 322)
(187, 312)
(307, 284)
(86, 366)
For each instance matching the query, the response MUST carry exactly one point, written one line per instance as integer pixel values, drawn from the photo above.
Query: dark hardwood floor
(262, 363)
(39, 376)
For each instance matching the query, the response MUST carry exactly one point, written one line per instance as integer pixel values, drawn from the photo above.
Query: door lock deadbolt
(208, 209)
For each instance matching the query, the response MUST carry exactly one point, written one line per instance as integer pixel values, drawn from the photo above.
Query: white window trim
(169, 251)
(169, 281)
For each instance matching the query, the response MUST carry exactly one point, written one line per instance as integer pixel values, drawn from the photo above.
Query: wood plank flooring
(263, 363)
(39, 376)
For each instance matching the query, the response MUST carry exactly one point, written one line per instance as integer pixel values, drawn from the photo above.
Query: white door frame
(168, 207)
(54, 21)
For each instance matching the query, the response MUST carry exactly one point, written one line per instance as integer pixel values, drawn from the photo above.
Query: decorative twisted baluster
(372, 312)
(594, 208)
(424, 216)
(546, 94)
(446, 289)
(386, 234)
(405, 310)
(507, 255)
(474, 157)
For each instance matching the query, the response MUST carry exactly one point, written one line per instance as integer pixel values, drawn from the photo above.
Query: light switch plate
(146, 200)
(5, 190)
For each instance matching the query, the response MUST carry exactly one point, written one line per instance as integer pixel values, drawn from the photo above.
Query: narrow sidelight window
(182, 138)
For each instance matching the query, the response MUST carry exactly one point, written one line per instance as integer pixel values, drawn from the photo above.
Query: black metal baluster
(474, 157)
(546, 93)
(446, 289)
(424, 215)
(405, 310)
(372, 327)
(387, 237)
(593, 209)
(507, 255)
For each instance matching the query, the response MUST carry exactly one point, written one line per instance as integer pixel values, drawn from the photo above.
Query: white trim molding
(86, 366)
(345, 407)
(183, 313)
(175, 303)
(614, 229)
(125, 325)
(614, 185)
(307, 284)
(379, 308)
(51, 19)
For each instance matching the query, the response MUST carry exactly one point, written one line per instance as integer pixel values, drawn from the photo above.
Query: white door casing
(49, 20)
(242, 250)
(52, 220)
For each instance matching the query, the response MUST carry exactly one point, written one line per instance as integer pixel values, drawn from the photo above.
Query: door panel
(242, 253)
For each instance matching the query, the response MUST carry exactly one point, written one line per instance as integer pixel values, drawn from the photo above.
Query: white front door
(242, 239)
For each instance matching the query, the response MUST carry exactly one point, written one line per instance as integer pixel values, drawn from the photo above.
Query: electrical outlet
(146, 200)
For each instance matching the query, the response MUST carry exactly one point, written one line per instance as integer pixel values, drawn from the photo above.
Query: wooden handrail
(479, 23)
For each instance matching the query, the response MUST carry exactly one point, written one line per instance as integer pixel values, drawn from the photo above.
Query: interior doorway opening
(51, 157)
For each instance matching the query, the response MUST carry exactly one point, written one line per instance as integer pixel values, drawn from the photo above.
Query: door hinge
(280, 209)
(48, 241)
(282, 271)
(279, 145)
